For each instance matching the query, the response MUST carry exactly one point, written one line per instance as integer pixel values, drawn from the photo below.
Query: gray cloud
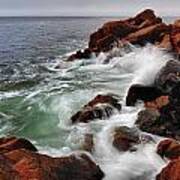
(87, 7)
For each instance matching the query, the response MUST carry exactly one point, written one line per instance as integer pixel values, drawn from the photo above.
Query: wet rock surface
(19, 160)
(138, 92)
(125, 138)
(100, 107)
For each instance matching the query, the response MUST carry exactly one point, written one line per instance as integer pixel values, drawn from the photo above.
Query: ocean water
(37, 100)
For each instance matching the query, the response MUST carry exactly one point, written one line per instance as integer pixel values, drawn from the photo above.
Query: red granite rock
(20, 161)
(100, 107)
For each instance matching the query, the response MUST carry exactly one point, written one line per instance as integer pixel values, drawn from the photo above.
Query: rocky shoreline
(144, 28)
(161, 114)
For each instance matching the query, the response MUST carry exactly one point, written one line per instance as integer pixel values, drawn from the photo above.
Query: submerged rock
(86, 54)
(144, 93)
(171, 171)
(100, 107)
(169, 148)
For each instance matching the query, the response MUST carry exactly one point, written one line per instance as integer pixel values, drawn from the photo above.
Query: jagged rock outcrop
(121, 29)
(144, 28)
(101, 106)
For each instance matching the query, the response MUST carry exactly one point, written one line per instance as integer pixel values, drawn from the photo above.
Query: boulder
(169, 148)
(125, 138)
(144, 93)
(19, 160)
(30, 165)
(147, 121)
(171, 171)
(100, 107)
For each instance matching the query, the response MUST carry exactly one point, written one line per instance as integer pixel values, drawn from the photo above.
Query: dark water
(27, 42)
(28, 47)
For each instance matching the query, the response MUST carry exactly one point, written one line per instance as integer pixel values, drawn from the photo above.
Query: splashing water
(42, 113)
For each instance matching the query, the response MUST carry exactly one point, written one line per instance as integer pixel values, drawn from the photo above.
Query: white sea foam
(82, 80)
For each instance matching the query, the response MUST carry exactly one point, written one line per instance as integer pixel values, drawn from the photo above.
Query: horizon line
(72, 16)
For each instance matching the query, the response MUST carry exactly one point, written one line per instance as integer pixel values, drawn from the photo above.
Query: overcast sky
(86, 7)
